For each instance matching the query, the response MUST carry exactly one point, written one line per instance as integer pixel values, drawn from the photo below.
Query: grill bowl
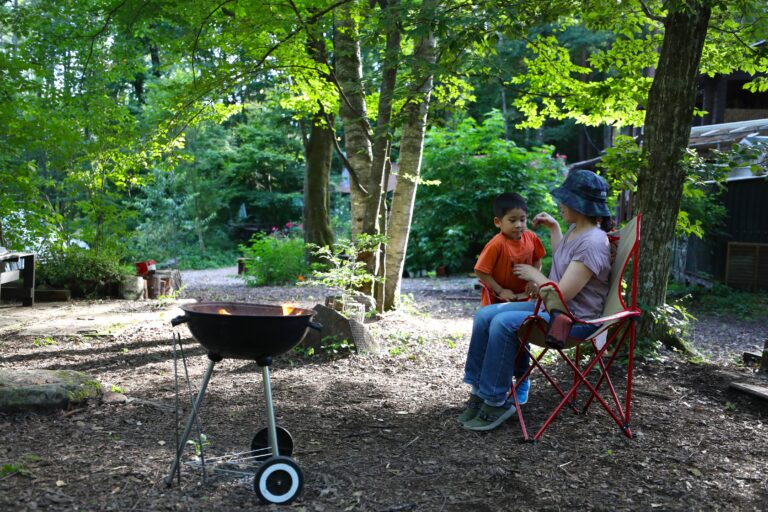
(249, 331)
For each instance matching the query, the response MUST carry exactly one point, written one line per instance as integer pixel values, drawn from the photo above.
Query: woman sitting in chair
(581, 269)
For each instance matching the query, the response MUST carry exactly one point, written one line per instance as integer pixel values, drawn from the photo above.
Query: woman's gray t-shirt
(593, 250)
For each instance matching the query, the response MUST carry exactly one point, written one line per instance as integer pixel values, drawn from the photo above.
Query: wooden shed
(738, 254)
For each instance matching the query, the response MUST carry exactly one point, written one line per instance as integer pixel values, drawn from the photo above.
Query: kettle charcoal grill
(254, 332)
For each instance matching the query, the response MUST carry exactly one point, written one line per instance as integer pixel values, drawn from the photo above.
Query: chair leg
(578, 359)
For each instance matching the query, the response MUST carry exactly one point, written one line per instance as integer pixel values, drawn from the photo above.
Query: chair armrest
(495, 298)
(551, 298)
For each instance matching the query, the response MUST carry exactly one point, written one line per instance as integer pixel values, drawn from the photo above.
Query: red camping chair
(617, 328)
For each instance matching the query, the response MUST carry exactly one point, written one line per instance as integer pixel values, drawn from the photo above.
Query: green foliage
(339, 268)
(700, 209)
(273, 259)
(405, 344)
(10, 469)
(200, 444)
(44, 342)
(333, 347)
(83, 272)
(605, 83)
(473, 163)
(722, 300)
(676, 317)
(244, 173)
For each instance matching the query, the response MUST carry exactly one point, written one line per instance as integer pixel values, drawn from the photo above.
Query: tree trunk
(319, 150)
(667, 131)
(376, 204)
(353, 111)
(411, 148)
(367, 157)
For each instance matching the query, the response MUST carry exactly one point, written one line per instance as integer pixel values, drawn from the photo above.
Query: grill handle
(315, 325)
(179, 320)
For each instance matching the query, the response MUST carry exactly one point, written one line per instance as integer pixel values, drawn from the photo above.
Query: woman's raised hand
(544, 219)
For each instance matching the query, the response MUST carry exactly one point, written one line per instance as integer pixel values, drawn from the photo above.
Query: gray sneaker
(473, 407)
(491, 417)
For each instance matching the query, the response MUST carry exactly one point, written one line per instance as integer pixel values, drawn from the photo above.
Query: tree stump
(338, 328)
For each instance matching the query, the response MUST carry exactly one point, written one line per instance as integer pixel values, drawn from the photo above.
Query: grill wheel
(279, 480)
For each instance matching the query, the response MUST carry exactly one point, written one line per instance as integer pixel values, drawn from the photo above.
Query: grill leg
(271, 428)
(191, 421)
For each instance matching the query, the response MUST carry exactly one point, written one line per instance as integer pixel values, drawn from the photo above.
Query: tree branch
(99, 32)
(649, 14)
(203, 22)
(353, 179)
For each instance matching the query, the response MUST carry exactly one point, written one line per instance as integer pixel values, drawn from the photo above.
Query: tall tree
(668, 38)
(411, 149)
(667, 129)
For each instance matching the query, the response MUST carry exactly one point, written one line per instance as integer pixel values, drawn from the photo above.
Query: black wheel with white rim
(279, 480)
(260, 442)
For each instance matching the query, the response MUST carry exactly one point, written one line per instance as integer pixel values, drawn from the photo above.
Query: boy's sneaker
(490, 417)
(521, 390)
(473, 407)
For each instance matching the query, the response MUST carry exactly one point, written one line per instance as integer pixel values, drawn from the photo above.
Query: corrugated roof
(715, 134)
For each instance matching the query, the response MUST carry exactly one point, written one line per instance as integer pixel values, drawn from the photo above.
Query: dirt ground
(378, 432)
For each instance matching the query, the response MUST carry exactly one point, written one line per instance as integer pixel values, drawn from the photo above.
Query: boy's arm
(536, 264)
(495, 287)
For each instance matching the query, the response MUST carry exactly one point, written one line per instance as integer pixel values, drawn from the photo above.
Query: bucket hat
(584, 192)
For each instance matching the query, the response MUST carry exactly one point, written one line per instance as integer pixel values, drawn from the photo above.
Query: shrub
(85, 273)
(273, 259)
(340, 268)
(473, 164)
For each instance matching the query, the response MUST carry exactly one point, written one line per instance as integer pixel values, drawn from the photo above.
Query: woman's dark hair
(606, 223)
(508, 201)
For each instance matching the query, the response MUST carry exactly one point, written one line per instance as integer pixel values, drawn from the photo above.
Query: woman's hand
(545, 220)
(531, 290)
(528, 273)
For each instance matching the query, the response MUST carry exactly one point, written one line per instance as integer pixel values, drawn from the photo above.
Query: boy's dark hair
(508, 201)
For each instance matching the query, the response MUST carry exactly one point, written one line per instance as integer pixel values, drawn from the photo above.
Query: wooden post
(154, 283)
(764, 362)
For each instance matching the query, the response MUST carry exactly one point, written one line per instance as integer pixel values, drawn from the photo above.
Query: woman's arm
(546, 220)
(576, 276)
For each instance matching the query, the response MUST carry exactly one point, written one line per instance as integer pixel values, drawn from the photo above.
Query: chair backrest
(627, 241)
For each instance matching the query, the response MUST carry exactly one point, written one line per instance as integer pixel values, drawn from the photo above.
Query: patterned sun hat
(584, 192)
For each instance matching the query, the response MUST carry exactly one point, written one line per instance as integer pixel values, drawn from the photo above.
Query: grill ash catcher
(258, 333)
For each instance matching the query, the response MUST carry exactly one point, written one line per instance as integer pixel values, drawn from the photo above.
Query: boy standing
(514, 244)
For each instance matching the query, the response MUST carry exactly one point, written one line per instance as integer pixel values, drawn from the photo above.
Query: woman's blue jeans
(493, 347)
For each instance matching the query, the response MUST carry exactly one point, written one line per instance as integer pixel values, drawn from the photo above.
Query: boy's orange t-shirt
(500, 254)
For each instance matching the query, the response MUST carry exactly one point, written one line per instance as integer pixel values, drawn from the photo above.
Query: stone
(131, 287)
(752, 389)
(339, 328)
(339, 302)
(22, 390)
(365, 300)
(111, 397)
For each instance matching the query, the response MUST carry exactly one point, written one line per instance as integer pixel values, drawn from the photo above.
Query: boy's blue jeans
(493, 347)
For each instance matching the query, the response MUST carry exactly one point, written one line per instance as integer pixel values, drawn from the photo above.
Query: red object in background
(146, 267)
